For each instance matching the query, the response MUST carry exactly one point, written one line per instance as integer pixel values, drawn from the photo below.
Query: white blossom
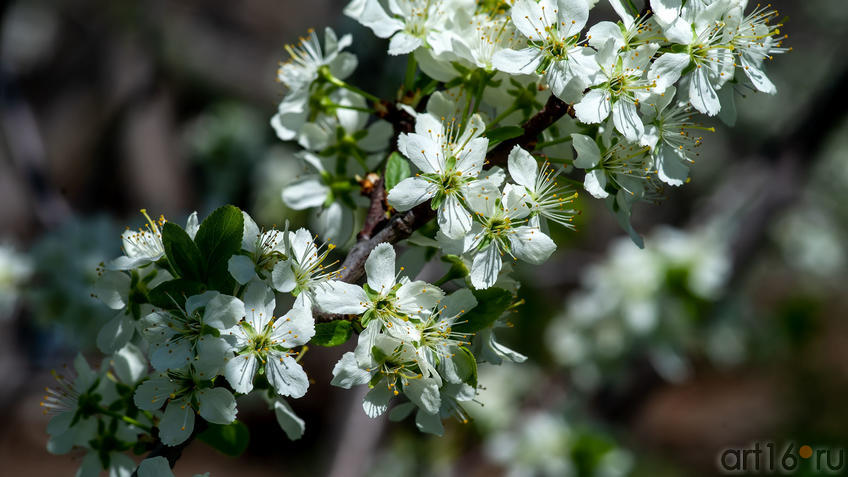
(545, 198)
(183, 395)
(554, 50)
(262, 340)
(390, 301)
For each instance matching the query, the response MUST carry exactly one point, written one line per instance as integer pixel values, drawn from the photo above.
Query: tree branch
(552, 112)
(173, 453)
(374, 187)
(402, 225)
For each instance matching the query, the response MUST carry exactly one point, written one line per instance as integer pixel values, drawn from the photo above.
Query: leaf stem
(325, 73)
(411, 67)
(127, 419)
(506, 112)
(553, 142)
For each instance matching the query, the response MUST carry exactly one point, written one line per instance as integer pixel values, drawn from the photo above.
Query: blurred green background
(728, 329)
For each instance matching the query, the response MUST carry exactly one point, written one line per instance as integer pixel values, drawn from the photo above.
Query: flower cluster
(504, 107)
(648, 302)
(635, 86)
(199, 304)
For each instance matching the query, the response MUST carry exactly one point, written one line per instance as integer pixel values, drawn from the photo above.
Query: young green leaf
(218, 238)
(182, 253)
(491, 304)
(333, 333)
(231, 439)
(172, 294)
(467, 366)
(505, 133)
(397, 169)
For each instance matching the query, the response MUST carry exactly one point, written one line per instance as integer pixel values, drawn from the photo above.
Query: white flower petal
(524, 61)
(335, 223)
(573, 14)
(306, 192)
(454, 221)
(239, 372)
(469, 162)
(485, 267)
(294, 328)
(458, 303)
(379, 134)
(588, 153)
(153, 393)
(666, 70)
(531, 245)
(376, 402)
(366, 342)
(403, 43)
(595, 183)
(594, 107)
(155, 467)
(410, 192)
(374, 17)
(666, 10)
(212, 355)
(90, 466)
(347, 373)
(282, 276)
(522, 167)
(171, 355)
(481, 196)
(217, 405)
(289, 422)
(340, 297)
(259, 305)
(112, 288)
(418, 296)
(671, 167)
(531, 17)
(424, 393)
(757, 76)
(130, 364)
(223, 311)
(286, 376)
(702, 95)
(429, 423)
(177, 423)
(627, 121)
(241, 268)
(422, 151)
(116, 333)
(601, 32)
(380, 268)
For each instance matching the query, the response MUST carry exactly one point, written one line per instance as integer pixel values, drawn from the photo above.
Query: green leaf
(333, 333)
(491, 304)
(182, 253)
(379, 355)
(467, 365)
(231, 439)
(502, 134)
(218, 238)
(397, 169)
(173, 293)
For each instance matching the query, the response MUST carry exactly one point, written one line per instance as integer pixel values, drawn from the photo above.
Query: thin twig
(173, 453)
(377, 210)
(552, 112)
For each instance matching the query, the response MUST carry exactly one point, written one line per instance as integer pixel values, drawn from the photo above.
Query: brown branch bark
(173, 453)
(552, 112)
(376, 190)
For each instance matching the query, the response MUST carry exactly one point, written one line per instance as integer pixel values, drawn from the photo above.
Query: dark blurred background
(739, 332)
